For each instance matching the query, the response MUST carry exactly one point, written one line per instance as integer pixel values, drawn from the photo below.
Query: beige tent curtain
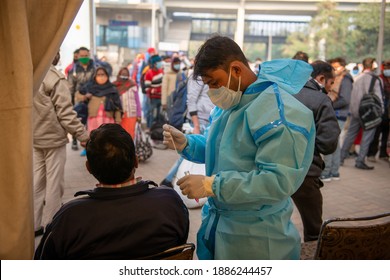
(31, 32)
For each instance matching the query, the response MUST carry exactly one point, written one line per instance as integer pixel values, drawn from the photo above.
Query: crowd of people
(83, 101)
(268, 137)
(337, 128)
(150, 78)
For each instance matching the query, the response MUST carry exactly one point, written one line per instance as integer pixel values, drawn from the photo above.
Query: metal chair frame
(181, 252)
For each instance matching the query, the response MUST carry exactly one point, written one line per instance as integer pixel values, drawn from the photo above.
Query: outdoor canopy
(31, 33)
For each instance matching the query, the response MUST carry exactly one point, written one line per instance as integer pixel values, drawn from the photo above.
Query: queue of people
(96, 101)
(268, 139)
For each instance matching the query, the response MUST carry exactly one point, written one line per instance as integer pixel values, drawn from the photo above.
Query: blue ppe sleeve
(196, 148)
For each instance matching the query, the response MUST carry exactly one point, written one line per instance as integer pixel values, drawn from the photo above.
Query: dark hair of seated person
(111, 154)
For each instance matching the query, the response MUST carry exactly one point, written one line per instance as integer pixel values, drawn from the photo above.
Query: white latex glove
(196, 186)
(172, 134)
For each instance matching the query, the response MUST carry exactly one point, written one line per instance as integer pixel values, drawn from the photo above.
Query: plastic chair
(364, 238)
(181, 252)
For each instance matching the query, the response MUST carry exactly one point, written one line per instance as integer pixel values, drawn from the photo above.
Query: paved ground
(358, 193)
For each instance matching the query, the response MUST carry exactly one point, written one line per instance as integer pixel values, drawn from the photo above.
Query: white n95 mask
(224, 97)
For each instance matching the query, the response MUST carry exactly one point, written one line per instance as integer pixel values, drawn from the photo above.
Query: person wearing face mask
(81, 74)
(355, 71)
(257, 152)
(308, 197)
(170, 80)
(131, 105)
(153, 82)
(382, 130)
(104, 105)
(83, 71)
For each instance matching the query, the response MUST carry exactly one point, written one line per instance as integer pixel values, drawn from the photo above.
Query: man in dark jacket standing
(308, 198)
(81, 74)
(340, 94)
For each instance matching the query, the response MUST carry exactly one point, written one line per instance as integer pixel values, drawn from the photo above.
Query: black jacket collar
(113, 193)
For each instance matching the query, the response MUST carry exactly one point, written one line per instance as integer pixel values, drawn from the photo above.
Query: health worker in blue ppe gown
(257, 151)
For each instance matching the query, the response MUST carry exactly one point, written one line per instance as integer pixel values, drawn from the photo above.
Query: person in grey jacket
(53, 119)
(199, 104)
(308, 197)
(361, 87)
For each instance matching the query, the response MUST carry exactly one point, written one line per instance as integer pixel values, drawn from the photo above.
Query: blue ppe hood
(289, 74)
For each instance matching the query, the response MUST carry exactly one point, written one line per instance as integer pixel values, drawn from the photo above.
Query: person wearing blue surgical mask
(171, 79)
(131, 105)
(257, 150)
(159, 65)
(355, 71)
(153, 82)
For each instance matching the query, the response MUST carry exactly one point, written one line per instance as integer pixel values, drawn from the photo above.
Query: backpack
(370, 108)
(156, 129)
(177, 102)
(143, 148)
(142, 80)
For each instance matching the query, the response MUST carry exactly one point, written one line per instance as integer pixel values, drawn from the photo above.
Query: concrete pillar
(153, 27)
(239, 34)
(322, 49)
(269, 47)
(322, 45)
(380, 36)
(92, 27)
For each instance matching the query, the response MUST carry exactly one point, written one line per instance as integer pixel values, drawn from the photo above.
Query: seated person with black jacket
(123, 217)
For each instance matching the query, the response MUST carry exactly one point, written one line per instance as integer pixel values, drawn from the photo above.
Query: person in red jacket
(153, 82)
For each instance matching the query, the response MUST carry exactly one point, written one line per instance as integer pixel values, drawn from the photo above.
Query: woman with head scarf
(104, 105)
(128, 92)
